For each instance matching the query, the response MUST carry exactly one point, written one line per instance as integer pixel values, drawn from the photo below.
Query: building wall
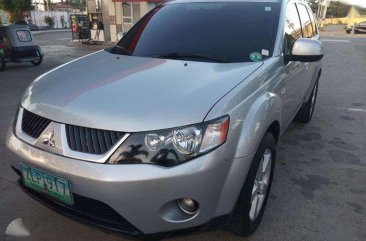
(113, 16)
(39, 5)
(38, 18)
(112, 22)
(106, 19)
(349, 21)
(352, 18)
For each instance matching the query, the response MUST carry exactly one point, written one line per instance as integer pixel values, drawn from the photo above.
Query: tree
(16, 8)
(314, 5)
(337, 9)
(79, 4)
(50, 21)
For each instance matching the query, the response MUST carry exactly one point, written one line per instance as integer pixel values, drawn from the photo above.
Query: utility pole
(322, 9)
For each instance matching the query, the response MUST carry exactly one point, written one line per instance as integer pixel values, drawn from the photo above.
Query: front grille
(33, 124)
(92, 141)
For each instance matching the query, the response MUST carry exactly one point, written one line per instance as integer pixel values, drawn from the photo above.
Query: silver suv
(175, 128)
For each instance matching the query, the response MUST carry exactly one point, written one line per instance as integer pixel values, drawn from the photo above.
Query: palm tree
(16, 8)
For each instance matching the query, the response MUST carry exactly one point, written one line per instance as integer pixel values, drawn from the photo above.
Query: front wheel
(253, 198)
(306, 112)
(40, 58)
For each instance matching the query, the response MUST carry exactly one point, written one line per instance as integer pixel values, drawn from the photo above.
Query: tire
(3, 63)
(305, 114)
(39, 60)
(244, 221)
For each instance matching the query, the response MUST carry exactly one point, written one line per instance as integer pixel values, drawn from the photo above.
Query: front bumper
(142, 195)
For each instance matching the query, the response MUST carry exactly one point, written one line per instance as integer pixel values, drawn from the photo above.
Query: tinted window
(229, 31)
(292, 27)
(307, 28)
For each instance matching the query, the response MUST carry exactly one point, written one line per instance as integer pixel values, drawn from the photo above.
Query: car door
(295, 71)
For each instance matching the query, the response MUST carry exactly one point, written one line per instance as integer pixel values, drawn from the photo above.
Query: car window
(313, 22)
(230, 31)
(24, 36)
(307, 28)
(292, 27)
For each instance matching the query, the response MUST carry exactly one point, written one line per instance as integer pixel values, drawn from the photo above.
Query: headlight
(174, 146)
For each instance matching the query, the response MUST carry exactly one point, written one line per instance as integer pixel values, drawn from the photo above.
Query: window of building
(136, 12)
(127, 12)
(130, 13)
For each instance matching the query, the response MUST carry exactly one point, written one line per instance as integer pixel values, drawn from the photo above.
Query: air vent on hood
(33, 125)
(92, 141)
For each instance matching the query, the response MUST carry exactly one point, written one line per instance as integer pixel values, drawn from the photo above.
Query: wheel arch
(275, 130)
(264, 115)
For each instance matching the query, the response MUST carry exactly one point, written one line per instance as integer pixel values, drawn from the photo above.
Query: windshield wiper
(117, 49)
(177, 55)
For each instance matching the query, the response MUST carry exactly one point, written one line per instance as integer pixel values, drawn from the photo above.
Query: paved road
(319, 185)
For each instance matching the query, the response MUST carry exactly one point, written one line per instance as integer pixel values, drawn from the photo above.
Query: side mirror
(307, 50)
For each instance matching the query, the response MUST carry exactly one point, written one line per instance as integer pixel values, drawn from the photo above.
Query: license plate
(46, 183)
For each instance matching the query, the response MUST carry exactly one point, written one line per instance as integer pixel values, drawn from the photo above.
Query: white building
(39, 5)
(3, 17)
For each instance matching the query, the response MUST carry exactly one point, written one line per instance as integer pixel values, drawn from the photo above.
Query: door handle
(307, 65)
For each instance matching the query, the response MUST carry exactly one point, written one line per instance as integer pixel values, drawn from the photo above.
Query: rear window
(24, 36)
(230, 31)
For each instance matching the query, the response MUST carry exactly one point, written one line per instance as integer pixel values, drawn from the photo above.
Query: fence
(347, 20)
(62, 19)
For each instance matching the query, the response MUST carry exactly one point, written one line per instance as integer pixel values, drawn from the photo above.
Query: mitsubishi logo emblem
(50, 140)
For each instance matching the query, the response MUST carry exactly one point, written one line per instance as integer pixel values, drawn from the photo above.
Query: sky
(360, 3)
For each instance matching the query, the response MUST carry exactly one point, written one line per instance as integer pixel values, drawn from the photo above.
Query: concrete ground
(319, 188)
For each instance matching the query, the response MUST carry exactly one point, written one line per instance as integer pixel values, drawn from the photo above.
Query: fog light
(188, 205)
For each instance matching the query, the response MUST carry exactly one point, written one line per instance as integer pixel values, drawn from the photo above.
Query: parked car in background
(29, 23)
(359, 28)
(175, 128)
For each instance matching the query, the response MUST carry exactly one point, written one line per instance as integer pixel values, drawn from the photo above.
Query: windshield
(221, 31)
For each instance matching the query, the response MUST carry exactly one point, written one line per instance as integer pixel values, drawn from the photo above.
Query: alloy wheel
(260, 185)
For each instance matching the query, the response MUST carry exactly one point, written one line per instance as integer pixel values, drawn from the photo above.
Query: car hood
(132, 94)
